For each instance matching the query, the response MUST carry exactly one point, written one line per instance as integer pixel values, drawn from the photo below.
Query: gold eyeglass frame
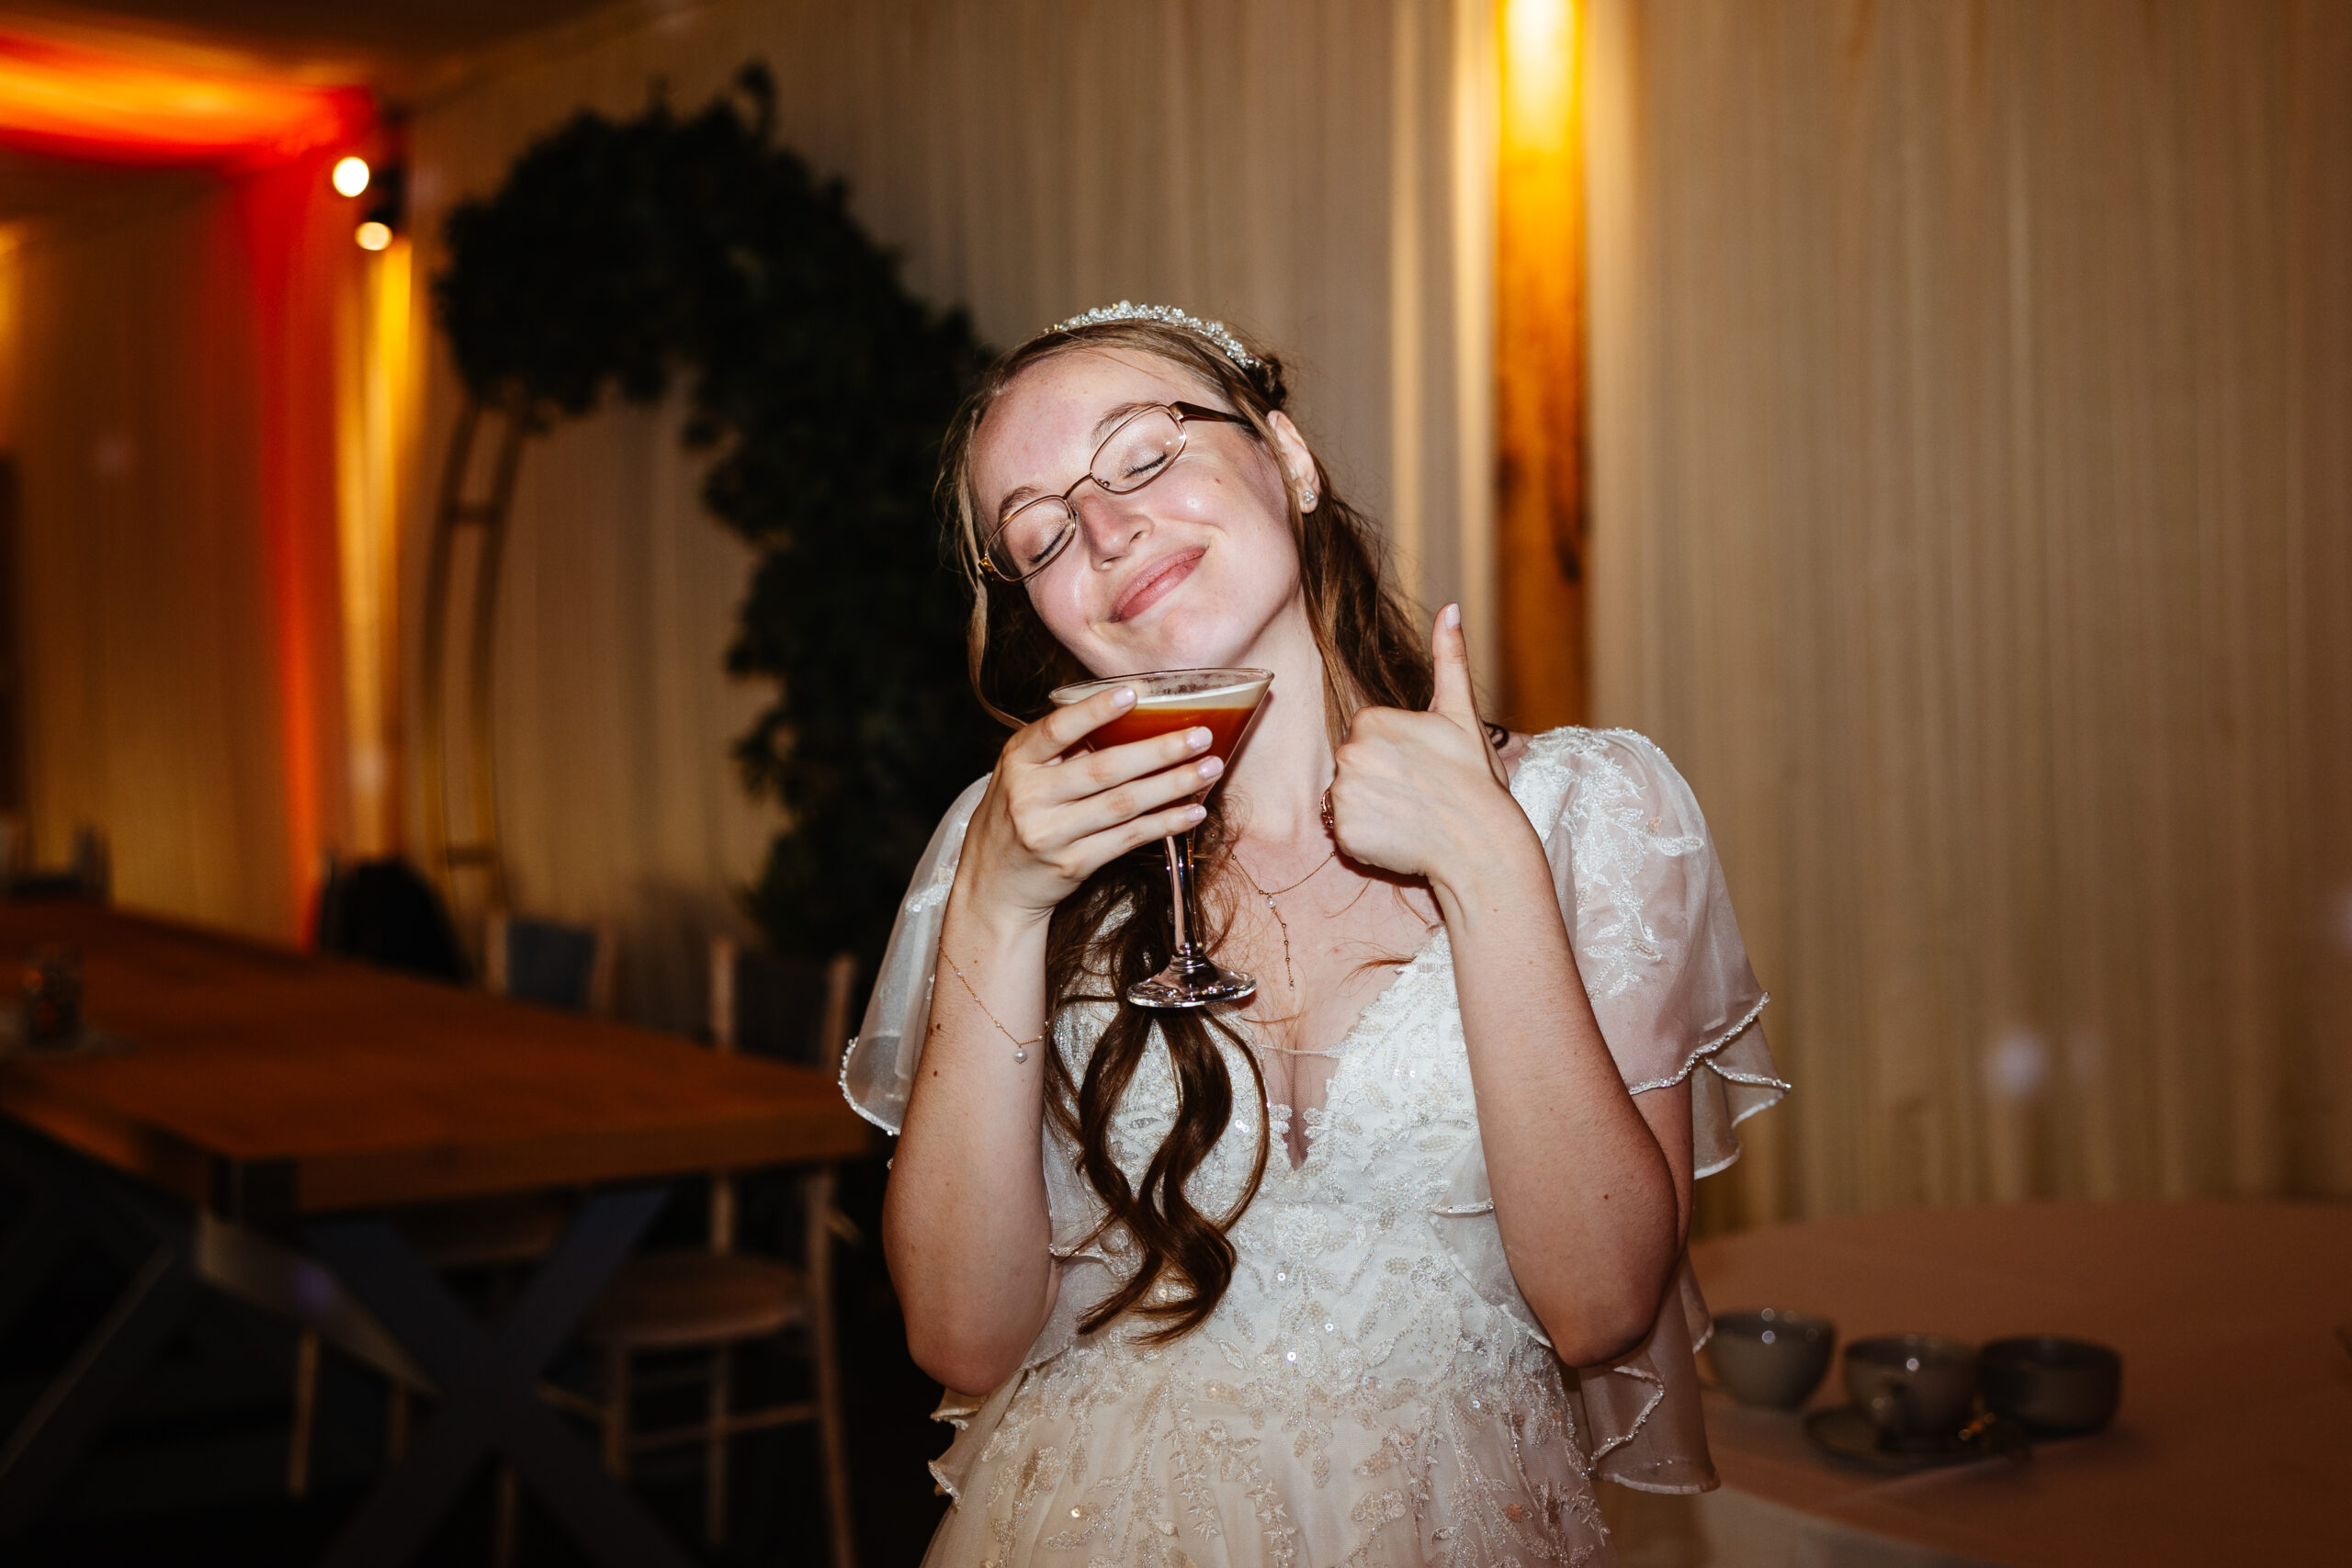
(1183, 415)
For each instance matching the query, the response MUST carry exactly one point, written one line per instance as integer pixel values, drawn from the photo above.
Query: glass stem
(1179, 899)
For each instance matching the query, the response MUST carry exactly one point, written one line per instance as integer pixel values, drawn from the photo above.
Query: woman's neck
(1275, 791)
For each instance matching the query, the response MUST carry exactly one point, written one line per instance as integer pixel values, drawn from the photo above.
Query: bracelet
(1020, 1047)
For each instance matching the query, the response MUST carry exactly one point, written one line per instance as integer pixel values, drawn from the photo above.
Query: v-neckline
(1342, 1051)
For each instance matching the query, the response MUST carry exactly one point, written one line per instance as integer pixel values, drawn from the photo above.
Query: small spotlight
(351, 176)
(374, 236)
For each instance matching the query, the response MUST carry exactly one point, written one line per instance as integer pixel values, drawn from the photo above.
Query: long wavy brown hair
(1372, 656)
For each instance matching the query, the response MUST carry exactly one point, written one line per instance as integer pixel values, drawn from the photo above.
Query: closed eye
(1044, 547)
(1143, 466)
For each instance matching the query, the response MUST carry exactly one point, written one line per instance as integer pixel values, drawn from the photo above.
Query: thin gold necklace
(1289, 974)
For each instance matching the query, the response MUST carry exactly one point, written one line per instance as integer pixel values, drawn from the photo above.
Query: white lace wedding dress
(1370, 1389)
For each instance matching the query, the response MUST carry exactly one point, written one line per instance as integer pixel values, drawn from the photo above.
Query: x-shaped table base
(65, 1202)
(488, 1386)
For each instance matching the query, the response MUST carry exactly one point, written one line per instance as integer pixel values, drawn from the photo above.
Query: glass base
(1194, 984)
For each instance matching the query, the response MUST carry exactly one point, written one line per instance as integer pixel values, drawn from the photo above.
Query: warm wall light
(374, 236)
(351, 176)
(1539, 76)
(1539, 361)
(375, 414)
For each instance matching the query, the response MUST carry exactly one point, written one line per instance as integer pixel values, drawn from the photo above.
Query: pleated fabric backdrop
(1316, 171)
(1973, 450)
(176, 563)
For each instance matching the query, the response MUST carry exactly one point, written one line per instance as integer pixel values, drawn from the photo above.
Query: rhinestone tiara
(1127, 311)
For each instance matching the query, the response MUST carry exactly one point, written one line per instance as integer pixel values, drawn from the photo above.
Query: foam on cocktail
(1240, 695)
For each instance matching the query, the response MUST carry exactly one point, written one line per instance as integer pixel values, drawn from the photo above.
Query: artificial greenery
(618, 253)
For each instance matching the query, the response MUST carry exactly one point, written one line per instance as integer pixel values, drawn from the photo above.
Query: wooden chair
(715, 1300)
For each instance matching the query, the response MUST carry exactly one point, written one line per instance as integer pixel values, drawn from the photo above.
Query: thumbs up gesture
(1415, 793)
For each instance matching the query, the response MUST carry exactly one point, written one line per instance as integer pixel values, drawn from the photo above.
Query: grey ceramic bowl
(2058, 1388)
(1770, 1356)
(1915, 1388)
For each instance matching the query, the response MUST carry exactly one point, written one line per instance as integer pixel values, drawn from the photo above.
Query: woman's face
(1190, 571)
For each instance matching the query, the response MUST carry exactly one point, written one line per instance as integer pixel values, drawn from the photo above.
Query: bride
(1385, 1263)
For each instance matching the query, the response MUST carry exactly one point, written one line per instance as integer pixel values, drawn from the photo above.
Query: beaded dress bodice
(1351, 1391)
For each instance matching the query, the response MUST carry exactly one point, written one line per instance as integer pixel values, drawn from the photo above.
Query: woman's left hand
(1417, 792)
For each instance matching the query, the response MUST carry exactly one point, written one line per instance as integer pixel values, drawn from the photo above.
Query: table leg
(34, 1242)
(67, 1200)
(73, 1409)
(489, 1385)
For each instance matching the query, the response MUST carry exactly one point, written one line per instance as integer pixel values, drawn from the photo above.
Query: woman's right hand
(1053, 818)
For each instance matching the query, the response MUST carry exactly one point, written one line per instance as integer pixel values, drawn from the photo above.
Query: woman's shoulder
(948, 836)
(1595, 776)
(1574, 751)
(936, 871)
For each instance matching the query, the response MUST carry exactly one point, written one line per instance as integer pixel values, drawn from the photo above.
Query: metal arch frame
(479, 849)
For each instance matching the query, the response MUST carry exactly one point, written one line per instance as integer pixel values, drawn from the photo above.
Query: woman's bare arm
(965, 1227)
(1593, 1207)
(964, 1223)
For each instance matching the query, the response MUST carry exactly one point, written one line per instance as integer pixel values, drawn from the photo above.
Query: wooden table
(270, 1103)
(2235, 1440)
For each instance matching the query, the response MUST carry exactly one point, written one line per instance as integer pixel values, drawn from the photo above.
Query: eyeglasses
(1139, 449)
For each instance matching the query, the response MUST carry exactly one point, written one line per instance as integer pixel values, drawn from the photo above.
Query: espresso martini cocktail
(1225, 710)
(1222, 701)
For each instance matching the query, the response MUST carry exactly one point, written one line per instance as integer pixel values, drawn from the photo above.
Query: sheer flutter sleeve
(1659, 952)
(1657, 942)
(878, 1068)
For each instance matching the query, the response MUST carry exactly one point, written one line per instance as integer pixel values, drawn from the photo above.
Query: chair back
(789, 1009)
(385, 913)
(549, 962)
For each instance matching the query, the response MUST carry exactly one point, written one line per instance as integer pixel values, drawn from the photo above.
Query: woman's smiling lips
(1155, 582)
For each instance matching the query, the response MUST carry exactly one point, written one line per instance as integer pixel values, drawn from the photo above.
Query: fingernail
(1195, 813)
(1210, 767)
(1197, 738)
(1125, 697)
(1450, 617)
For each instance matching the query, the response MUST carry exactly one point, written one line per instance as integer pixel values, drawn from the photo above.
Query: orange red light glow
(69, 101)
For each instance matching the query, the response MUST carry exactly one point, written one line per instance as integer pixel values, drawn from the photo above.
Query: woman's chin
(1203, 651)
(1201, 626)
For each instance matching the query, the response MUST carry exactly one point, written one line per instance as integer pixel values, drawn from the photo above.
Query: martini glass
(1223, 702)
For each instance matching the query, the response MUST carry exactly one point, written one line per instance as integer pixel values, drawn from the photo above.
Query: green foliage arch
(620, 254)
